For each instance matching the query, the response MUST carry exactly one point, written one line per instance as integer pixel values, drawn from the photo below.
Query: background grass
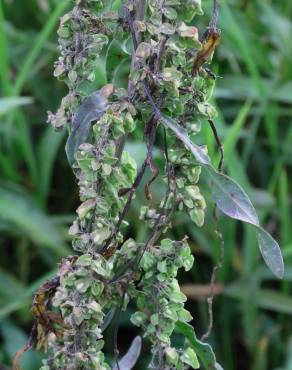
(38, 194)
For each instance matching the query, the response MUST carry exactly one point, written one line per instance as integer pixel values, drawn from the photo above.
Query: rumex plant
(169, 92)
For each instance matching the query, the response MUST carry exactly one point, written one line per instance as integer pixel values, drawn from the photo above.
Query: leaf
(21, 295)
(114, 57)
(121, 74)
(90, 110)
(37, 45)
(47, 151)
(203, 350)
(231, 199)
(189, 357)
(238, 88)
(9, 287)
(128, 361)
(271, 252)
(7, 104)
(13, 339)
(182, 134)
(19, 209)
(127, 46)
(263, 298)
(234, 131)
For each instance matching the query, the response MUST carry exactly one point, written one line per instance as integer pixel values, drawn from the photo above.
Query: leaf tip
(271, 252)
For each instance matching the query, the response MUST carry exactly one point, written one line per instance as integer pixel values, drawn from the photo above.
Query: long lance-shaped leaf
(128, 361)
(231, 199)
(8, 104)
(25, 218)
(181, 133)
(203, 350)
(90, 110)
(271, 252)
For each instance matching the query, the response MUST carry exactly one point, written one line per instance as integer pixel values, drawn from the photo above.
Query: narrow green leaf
(7, 104)
(114, 57)
(4, 60)
(22, 298)
(263, 298)
(47, 151)
(38, 44)
(233, 133)
(243, 45)
(17, 208)
(13, 339)
(189, 357)
(121, 74)
(9, 287)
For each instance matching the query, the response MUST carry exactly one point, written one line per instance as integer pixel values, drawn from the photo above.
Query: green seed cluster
(187, 175)
(82, 35)
(164, 58)
(85, 293)
(101, 175)
(102, 169)
(161, 302)
(81, 299)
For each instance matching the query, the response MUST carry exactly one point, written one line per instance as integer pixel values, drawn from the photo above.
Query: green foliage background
(38, 195)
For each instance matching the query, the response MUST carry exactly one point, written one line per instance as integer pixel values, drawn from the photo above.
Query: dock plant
(168, 94)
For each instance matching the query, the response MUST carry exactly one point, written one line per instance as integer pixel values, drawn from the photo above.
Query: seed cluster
(109, 271)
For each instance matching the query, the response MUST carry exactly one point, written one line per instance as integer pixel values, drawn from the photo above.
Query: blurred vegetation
(38, 195)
